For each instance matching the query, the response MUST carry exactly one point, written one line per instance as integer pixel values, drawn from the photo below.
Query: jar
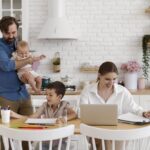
(141, 83)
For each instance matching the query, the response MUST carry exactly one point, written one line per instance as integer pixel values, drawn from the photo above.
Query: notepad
(133, 119)
(44, 121)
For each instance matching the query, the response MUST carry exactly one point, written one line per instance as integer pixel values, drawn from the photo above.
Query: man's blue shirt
(11, 87)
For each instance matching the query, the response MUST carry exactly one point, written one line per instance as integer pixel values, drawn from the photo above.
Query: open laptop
(99, 114)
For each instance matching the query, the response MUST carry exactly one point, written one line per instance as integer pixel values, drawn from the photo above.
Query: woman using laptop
(107, 91)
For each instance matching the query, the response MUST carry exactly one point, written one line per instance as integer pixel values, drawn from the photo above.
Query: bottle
(141, 83)
(56, 62)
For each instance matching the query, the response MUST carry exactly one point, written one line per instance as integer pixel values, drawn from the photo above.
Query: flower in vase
(131, 66)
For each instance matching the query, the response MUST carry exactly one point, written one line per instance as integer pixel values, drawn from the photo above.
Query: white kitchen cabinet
(37, 101)
(145, 101)
(19, 10)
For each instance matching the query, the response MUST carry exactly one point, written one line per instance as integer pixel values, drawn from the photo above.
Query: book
(133, 119)
(42, 121)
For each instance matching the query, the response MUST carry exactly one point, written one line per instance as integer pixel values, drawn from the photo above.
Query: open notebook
(42, 121)
(133, 119)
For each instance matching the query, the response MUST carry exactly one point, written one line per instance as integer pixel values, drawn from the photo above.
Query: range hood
(57, 26)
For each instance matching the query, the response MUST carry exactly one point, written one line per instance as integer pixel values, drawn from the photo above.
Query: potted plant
(146, 56)
(56, 62)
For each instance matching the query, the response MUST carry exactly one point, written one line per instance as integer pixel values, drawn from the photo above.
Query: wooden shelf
(91, 69)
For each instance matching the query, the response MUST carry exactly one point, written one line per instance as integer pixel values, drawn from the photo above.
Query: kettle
(45, 82)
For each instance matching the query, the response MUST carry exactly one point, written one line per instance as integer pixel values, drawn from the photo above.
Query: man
(13, 92)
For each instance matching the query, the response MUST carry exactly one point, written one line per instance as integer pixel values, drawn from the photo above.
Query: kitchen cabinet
(19, 10)
(145, 101)
(142, 97)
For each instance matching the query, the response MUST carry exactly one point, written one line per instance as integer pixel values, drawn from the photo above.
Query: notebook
(42, 121)
(99, 114)
(133, 119)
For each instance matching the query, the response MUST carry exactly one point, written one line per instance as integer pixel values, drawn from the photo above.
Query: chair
(129, 139)
(16, 136)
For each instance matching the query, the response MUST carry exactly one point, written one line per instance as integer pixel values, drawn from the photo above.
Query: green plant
(146, 56)
(56, 61)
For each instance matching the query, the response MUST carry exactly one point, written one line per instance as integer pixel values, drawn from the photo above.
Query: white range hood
(57, 25)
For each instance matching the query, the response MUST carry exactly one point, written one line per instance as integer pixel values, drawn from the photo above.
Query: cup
(5, 115)
(64, 116)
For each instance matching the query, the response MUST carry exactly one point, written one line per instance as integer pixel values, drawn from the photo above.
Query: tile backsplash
(108, 30)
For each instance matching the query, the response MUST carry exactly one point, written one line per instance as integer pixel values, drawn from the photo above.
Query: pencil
(29, 127)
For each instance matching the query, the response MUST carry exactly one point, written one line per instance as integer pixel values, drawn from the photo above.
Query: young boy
(53, 108)
(26, 74)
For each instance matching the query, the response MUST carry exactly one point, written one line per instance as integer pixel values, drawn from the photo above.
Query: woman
(107, 91)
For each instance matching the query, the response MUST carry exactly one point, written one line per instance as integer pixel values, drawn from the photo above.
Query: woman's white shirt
(121, 96)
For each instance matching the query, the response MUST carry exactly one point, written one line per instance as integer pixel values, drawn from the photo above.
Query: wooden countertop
(78, 92)
(67, 92)
(141, 92)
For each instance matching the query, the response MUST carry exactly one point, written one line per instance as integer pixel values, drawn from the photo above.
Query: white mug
(5, 115)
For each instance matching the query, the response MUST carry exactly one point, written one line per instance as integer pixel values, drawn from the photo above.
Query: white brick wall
(109, 30)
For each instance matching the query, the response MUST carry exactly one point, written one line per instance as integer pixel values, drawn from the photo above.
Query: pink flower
(131, 66)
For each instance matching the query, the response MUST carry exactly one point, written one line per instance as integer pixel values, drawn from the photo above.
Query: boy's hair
(58, 86)
(22, 44)
(6, 21)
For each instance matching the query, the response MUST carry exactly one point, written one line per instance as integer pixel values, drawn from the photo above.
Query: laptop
(99, 114)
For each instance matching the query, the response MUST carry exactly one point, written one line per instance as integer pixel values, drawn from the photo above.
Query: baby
(26, 74)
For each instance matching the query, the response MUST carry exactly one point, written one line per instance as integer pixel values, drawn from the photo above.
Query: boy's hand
(60, 120)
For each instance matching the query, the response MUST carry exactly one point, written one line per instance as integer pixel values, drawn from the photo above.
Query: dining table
(20, 124)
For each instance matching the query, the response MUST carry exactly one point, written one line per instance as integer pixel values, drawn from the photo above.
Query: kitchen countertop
(67, 92)
(141, 92)
(78, 92)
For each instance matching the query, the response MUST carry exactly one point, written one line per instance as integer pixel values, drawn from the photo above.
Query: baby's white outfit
(22, 70)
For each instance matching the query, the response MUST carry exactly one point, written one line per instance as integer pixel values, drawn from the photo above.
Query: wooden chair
(130, 139)
(16, 136)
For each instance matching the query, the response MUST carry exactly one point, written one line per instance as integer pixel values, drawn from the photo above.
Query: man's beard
(9, 40)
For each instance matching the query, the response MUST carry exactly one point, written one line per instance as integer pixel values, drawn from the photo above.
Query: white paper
(45, 121)
(133, 118)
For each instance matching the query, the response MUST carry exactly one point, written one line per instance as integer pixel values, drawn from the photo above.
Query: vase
(56, 68)
(130, 80)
